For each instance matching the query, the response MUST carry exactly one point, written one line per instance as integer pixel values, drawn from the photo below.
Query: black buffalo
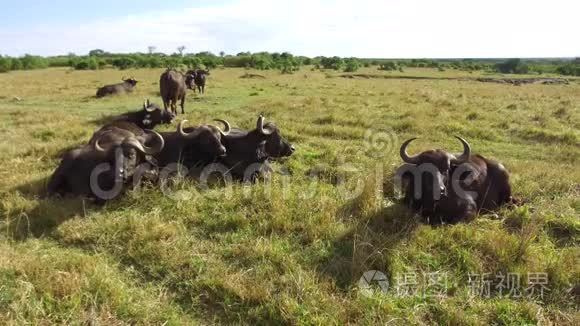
(447, 188)
(196, 78)
(248, 150)
(148, 117)
(173, 88)
(100, 170)
(193, 146)
(126, 86)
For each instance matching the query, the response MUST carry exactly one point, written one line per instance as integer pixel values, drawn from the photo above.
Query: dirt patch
(255, 76)
(511, 81)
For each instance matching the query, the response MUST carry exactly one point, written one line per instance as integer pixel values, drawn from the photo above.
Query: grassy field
(292, 251)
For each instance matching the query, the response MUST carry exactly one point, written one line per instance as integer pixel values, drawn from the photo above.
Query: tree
(335, 63)
(222, 54)
(352, 65)
(151, 49)
(96, 53)
(512, 66)
(5, 64)
(180, 49)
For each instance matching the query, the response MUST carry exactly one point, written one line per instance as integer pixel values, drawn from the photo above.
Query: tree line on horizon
(285, 62)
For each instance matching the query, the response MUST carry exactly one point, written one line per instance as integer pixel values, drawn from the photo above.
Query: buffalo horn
(405, 156)
(466, 152)
(184, 134)
(260, 126)
(227, 129)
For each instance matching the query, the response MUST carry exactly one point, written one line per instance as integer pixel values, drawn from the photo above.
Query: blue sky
(363, 28)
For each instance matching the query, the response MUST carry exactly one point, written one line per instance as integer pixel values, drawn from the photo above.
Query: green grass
(293, 251)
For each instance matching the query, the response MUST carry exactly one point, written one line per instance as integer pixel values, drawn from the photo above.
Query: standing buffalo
(126, 86)
(247, 151)
(196, 78)
(193, 146)
(100, 170)
(172, 86)
(448, 189)
(149, 117)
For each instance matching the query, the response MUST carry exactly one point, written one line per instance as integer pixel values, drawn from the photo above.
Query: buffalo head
(131, 81)
(207, 137)
(130, 152)
(154, 115)
(431, 172)
(190, 79)
(273, 144)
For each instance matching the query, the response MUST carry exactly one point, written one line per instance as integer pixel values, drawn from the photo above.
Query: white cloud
(364, 28)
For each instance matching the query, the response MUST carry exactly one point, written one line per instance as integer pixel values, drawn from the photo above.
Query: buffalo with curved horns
(126, 86)
(193, 146)
(148, 117)
(196, 79)
(246, 148)
(447, 188)
(101, 169)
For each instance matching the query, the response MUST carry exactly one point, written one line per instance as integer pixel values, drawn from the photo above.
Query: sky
(361, 28)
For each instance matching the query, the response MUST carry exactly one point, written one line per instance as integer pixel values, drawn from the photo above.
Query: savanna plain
(291, 250)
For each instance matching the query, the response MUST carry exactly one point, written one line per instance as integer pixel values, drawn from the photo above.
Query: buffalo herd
(440, 186)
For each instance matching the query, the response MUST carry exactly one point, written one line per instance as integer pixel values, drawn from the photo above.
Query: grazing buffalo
(126, 86)
(247, 150)
(193, 146)
(172, 86)
(196, 78)
(446, 188)
(100, 170)
(149, 117)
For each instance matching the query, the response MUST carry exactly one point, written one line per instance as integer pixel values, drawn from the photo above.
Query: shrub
(17, 64)
(123, 62)
(192, 62)
(211, 62)
(5, 64)
(90, 63)
(570, 69)
(335, 63)
(352, 65)
(33, 62)
(512, 66)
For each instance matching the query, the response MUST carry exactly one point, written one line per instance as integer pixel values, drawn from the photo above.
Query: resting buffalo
(172, 86)
(149, 117)
(446, 188)
(246, 148)
(193, 146)
(132, 124)
(196, 78)
(126, 86)
(100, 170)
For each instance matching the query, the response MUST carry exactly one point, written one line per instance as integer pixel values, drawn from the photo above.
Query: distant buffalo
(196, 78)
(448, 188)
(173, 88)
(126, 86)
